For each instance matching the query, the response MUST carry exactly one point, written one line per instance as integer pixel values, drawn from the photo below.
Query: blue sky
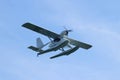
(96, 22)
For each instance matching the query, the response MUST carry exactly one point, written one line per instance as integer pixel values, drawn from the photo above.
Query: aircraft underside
(57, 41)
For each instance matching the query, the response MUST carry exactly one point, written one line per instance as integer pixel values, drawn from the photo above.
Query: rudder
(39, 43)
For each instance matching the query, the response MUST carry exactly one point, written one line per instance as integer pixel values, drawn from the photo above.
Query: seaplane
(57, 42)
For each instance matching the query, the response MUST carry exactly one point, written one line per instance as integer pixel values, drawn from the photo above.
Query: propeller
(66, 30)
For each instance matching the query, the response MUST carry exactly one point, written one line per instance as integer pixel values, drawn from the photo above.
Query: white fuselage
(59, 44)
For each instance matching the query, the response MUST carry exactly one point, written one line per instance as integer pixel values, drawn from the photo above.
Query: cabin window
(56, 39)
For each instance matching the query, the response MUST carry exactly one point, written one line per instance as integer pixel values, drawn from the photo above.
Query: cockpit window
(56, 39)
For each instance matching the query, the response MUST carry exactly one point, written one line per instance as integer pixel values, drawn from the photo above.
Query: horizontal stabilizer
(33, 48)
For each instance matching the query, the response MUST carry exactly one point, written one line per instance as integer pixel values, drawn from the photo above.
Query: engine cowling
(65, 32)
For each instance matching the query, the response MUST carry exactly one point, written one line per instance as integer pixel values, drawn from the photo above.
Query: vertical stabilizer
(39, 43)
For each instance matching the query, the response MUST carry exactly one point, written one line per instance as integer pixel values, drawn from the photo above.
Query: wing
(40, 30)
(80, 44)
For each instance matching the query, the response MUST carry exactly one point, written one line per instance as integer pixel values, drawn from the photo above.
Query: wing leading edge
(40, 30)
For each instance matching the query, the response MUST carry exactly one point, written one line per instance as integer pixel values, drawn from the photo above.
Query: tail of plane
(39, 46)
(39, 43)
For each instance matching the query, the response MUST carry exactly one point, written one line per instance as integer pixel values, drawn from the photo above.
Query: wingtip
(23, 25)
(89, 47)
(52, 57)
